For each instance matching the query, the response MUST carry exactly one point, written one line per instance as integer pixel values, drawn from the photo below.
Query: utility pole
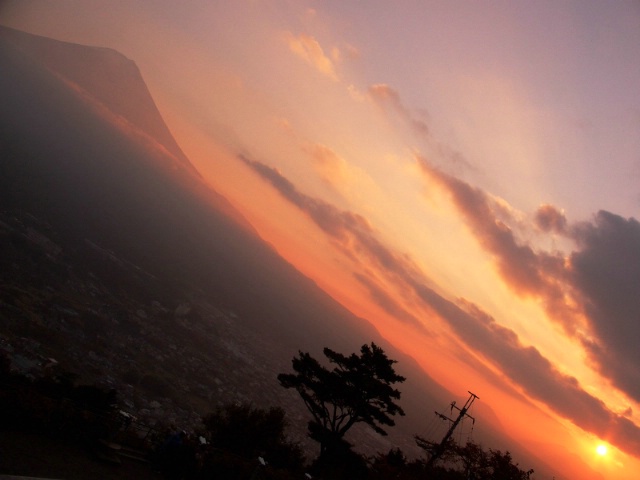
(462, 412)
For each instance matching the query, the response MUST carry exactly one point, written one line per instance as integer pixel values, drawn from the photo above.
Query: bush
(250, 432)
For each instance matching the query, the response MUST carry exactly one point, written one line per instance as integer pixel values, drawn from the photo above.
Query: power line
(439, 449)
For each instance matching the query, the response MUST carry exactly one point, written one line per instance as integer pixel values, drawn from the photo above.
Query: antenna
(462, 412)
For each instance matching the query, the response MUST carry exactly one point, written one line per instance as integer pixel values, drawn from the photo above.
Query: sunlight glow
(602, 449)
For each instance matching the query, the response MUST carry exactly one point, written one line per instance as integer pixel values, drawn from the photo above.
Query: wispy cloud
(388, 99)
(310, 50)
(388, 303)
(352, 232)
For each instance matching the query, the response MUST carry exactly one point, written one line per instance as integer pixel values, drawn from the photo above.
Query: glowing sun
(601, 449)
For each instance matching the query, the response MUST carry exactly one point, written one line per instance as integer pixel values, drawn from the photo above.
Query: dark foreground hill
(120, 263)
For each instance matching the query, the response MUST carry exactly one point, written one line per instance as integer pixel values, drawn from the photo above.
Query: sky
(465, 175)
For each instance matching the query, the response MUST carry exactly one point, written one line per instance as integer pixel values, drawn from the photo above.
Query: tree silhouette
(358, 389)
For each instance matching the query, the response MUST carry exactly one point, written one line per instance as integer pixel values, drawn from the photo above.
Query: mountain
(104, 74)
(122, 264)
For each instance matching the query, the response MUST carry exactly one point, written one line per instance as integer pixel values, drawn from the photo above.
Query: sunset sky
(465, 175)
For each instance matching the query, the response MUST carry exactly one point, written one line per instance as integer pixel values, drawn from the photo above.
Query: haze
(462, 175)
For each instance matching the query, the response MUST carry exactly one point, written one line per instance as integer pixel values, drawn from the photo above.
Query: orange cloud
(331, 166)
(524, 365)
(308, 48)
(351, 232)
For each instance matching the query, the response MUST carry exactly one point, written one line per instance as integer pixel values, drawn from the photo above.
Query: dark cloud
(606, 274)
(526, 271)
(549, 219)
(338, 224)
(603, 280)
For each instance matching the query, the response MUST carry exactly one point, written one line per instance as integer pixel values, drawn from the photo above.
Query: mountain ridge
(99, 72)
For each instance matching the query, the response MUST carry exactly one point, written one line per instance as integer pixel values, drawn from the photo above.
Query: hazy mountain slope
(96, 184)
(65, 163)
(106, 75)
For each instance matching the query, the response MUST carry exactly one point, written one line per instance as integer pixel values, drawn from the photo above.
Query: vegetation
(358, 389)
(241, 441)
(56, 405)
(471, 461)
(251, 432)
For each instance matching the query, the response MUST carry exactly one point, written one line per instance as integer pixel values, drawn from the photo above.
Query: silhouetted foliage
(358, 389)
(448, 453)
(340, 462)
(472, 462)
(250, 432)
(389, 465)
(5, 366)
(501, 467)
(56, 406)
